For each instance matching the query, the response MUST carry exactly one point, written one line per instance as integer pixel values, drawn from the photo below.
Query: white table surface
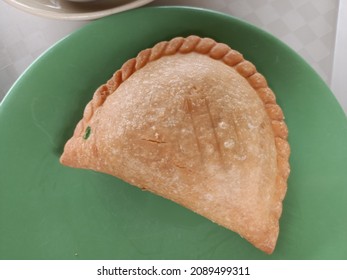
(307, 26)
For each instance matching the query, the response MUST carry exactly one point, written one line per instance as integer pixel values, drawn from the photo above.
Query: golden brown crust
(230, 57)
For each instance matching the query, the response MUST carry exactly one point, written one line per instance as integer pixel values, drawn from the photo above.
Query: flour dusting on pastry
(192, 121)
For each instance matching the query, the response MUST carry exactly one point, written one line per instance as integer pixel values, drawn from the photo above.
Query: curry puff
(192, 121)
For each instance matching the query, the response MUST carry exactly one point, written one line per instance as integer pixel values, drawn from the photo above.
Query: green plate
(48, 211)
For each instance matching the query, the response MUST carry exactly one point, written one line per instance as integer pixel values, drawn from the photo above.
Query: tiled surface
(308, 26)
(338, 79)
(23, 37)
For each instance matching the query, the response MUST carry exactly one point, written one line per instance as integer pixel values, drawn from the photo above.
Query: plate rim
(77, 16)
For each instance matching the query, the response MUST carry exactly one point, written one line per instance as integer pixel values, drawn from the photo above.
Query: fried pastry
(192, 121)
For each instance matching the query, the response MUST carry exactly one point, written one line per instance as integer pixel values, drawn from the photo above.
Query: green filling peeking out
(87, 133)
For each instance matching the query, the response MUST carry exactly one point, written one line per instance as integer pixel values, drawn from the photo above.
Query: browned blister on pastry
(191, 120)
